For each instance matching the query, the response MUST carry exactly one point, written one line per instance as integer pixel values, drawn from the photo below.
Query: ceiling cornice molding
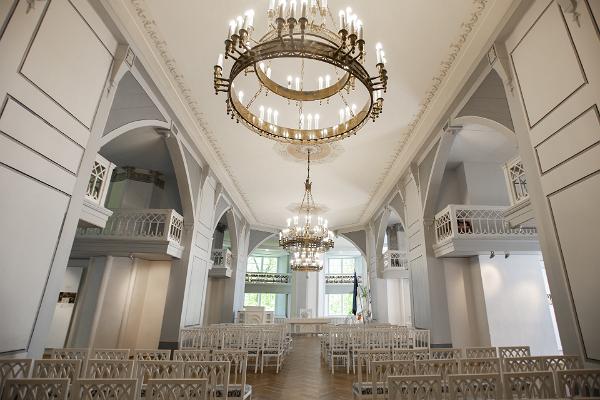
(134, 17)
(463, 57)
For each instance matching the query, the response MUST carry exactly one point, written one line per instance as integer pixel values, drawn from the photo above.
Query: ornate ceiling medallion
(300, 32)
(319, 153)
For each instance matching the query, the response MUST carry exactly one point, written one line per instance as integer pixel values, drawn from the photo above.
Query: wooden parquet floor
(303, 377)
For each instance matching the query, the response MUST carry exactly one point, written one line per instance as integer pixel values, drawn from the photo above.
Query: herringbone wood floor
(303, 377)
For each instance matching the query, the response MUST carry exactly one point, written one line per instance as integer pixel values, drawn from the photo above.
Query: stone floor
(303, 376)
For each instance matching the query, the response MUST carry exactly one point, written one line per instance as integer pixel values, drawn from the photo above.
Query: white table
(307, 326)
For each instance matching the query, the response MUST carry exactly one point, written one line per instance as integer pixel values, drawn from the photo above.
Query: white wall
(485, 184)
(517, 307)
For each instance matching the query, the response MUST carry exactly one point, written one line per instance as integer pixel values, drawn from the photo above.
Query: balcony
(222, 260)
(93, 212)
(267, 278)
(341, 279)
(465, 230)
(520, 210)
(395, 265)
(154, 233)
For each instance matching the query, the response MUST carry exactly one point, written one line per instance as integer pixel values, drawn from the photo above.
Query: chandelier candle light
(303, 31)
(304, 238)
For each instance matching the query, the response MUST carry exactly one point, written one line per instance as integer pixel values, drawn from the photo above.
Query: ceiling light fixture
(300, 31)
(304, 238)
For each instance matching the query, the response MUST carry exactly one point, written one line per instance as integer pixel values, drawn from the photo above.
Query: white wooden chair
(152, 355)
(410, 354)
(110, 354)
(232, 339)
(443, 368)
(381, 370)
(481, 352)
(14, 368)
(216, 372)
(35, 389)
(402, 338)
(253, 341)
(113, 389)
(579, 383)
(238, 359)
(479, 366)
(272, 348)
(191, 355)
(445, 354)
(339, 349)
(560, 363)
(364, 357)
(475, 387)
(529, 385)
(52, 369)
(521, 364)
(159, 369)
(177, 389)
(514, 351)
(109, 369)
(423, 387)
(69, 354)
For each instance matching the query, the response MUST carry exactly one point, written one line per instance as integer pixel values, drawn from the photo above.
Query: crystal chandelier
(304, 240)
(301, 31)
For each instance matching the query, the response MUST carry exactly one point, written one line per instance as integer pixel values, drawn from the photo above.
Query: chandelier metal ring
(314, 50)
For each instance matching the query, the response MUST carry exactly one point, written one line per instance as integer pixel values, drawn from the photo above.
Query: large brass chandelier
(305, 238)
(301, 30)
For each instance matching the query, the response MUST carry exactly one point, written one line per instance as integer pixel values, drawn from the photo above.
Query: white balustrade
(395, 260)
(341, 279)
(478, 222)
(268, 278)
(516, 180)
(99, 180)
(222, 258)
(146, 224)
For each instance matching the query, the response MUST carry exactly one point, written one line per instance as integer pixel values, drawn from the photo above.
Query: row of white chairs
(266, 344)
(225, 371)
(579, 384)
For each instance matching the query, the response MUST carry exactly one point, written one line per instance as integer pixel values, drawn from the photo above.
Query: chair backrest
(69, 354)
(381, 370)
(110, 354)
(191, 355)
(216, 372)
(153, 355)
(411, 354)
(580, 383)
(272, 339)
(402, 338)
(364, 357)
(560, 363)
(480, 366)
(232, 339)
(13, 368)
(114, 389)
(445, 354)
(514, 351)
(411, 387)
(481, 352)
(252, 339)
(238, 362)
(475, 386)
(70, 369)
(146, 369)
(380, 338)
(529, 385)
(35, 389)
(521, 364)
(108, 369)
(436, 367)
(176, 389)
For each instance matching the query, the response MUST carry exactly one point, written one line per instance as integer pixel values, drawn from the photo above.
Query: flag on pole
(354, 294)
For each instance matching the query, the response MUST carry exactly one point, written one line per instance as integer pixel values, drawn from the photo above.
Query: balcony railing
(99, 180)
(146, 224)
(341, 279)
(478, 222)
(268, 278)
(516, 180)
(395, 260)
(222, 258)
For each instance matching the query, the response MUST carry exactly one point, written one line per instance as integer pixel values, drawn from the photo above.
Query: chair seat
(366, 388)
(234, 391)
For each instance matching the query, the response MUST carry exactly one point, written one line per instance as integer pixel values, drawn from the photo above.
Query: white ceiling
(416, 35)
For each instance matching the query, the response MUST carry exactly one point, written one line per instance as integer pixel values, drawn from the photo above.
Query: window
(262, 264)
(341, 266)
(338, 304)
(270, 301)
